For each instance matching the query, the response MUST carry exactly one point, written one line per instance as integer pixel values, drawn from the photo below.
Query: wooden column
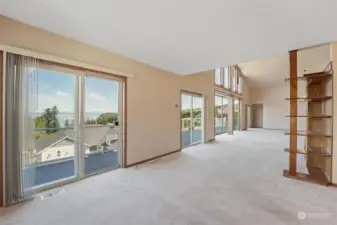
(333, 58)
(1, 124)
(293, 112)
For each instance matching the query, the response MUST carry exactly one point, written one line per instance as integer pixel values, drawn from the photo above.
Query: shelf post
(333, 58)
(293, 113)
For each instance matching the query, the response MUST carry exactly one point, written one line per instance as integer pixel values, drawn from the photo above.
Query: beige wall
(153, 95)
(203, 83)
(275, 107)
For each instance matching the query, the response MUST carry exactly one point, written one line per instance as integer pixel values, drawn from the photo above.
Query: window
(236, 116)
(49, 99)
(217, 75)
(240, 85)
(221, 114)
(226, 77)
(234, 80)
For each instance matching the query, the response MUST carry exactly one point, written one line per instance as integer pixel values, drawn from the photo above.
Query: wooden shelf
(310, 116)
(308, 152)
(313, 99)
(310, 134)
(310, 76)
(317, 159)
(307, 178)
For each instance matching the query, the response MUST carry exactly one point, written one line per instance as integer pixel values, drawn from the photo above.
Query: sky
(187, 101)
(55, 88)
(101, 95)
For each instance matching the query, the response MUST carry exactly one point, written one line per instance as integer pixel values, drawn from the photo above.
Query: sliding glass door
(101, 139)
(54, 124)
(191, 119)
(66, 124)
(221, 114)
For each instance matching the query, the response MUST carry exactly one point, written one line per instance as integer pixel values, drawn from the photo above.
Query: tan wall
(203, 83)
(152, 94)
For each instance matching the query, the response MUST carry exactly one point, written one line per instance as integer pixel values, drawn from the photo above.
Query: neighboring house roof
(93, 135)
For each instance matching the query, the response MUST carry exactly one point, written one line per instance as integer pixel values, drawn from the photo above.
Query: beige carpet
(234, 180)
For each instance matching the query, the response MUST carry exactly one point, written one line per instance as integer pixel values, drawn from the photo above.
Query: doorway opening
(257, 111)
(192, 127)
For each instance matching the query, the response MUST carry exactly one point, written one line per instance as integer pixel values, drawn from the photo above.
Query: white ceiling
(272, 71)
(185, 36)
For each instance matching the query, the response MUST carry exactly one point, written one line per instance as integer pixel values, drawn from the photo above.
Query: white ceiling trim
(56, 59)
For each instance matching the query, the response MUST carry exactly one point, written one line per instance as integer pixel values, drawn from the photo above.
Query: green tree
(39, 122)
(50, 119)
(106, 118)
(90, 121)
(66, 123)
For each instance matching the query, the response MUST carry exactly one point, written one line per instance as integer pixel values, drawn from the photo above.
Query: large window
(226, 77)
(240, 85)
(229, 78)
(191, 119)
(221, 114)
(54, 124)
(234, 79)
(217, 76)
(236, 116)
(73, 118)
(101, 129)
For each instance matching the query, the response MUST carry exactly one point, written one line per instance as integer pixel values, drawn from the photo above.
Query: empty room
(168, 112)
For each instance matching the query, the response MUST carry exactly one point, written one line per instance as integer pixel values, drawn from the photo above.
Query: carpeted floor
(234, 180)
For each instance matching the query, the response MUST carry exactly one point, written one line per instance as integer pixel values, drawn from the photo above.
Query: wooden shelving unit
(311, 99)
(317, 149)
(312, 117)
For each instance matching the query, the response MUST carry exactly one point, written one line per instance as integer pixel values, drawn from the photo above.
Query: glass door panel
(218, 114)
(197, 119)
(236, 114)
(101, 140)
(186, 120)
(224, 115)
(54, 122)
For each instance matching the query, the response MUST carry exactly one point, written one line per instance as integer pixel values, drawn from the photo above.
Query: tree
(90, 121)
(106, 118)
(39, 122)
(66, 123)
(50, 119)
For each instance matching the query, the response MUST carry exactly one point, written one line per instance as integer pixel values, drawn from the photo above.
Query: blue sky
(186, 102)
(55, 88)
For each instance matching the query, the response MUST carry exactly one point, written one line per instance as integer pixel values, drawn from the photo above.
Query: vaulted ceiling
(273, 71)
(184, 36)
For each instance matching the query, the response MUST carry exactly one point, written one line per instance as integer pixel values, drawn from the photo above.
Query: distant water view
(63, 116)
